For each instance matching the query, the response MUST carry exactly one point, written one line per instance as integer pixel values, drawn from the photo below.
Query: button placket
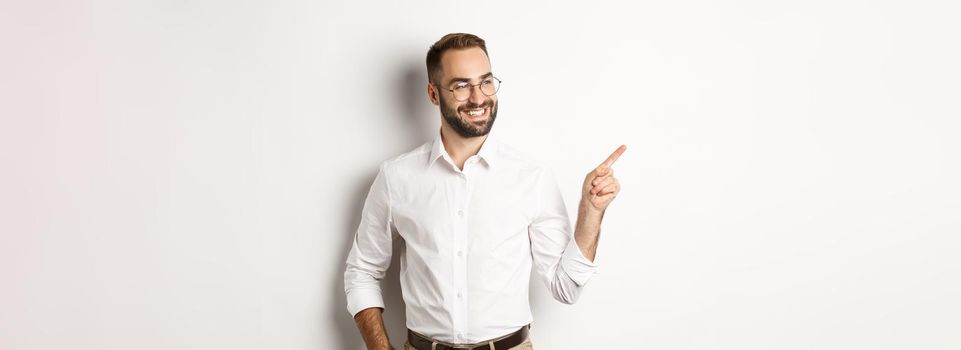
(459, 264)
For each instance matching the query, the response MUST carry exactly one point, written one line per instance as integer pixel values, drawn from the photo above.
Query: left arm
(566, 263)
(588, 230)
(599, 189)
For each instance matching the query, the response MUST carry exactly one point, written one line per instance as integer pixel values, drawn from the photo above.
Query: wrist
(586, 208)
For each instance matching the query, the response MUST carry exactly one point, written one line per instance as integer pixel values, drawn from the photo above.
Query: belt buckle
(465, 347)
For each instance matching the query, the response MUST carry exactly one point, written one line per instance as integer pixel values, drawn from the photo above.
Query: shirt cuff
(577, 266)
(360, 299)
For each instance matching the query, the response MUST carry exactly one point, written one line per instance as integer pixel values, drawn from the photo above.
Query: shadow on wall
(411, 85)
(419, 115)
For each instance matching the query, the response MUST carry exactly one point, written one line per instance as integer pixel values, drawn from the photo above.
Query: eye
(487, 81)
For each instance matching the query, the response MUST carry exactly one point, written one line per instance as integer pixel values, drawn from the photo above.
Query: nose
(476, 95)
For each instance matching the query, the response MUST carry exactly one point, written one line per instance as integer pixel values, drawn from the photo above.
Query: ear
(432, 94)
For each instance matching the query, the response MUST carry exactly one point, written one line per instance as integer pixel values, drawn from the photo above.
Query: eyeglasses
(463, 90)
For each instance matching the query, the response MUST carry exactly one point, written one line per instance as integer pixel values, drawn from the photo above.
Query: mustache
(486, 104)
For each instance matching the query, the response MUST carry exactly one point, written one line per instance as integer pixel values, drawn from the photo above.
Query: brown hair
(450, 41)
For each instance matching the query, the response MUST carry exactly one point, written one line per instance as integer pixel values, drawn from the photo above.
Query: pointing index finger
(613, 157)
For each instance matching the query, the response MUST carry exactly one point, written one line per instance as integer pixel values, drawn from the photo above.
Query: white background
(188, 174)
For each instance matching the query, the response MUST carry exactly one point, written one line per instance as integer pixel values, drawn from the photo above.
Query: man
(476, 218)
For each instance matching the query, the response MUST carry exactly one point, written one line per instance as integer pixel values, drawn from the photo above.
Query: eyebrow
(458, 79)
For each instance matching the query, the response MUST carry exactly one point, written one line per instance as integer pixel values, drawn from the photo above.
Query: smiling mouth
(476, 113)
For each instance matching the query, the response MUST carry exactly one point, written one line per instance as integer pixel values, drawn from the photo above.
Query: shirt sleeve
(557, 258)
(370, 253)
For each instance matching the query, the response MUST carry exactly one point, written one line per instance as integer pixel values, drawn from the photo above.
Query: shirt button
(460, 253)
(460, 213)
(460, 295)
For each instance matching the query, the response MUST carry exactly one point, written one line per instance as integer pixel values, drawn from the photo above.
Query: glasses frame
(499, 82)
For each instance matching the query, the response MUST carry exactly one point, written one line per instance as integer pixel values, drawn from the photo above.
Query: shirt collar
(487, 152)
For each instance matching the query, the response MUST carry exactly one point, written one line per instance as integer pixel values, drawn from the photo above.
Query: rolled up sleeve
(557, 258)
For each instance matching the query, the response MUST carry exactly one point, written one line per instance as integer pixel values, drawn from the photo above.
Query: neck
(458, 147)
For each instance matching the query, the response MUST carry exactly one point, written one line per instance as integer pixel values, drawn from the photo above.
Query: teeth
(475, 112)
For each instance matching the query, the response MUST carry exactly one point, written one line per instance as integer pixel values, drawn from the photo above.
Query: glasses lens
(461, 91)
(489, 86)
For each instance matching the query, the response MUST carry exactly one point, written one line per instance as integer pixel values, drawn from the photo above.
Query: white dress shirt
(471, 237)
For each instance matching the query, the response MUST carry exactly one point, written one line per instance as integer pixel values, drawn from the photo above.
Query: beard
(464, 127)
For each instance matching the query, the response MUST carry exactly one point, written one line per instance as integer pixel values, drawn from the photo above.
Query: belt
(420, 342)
